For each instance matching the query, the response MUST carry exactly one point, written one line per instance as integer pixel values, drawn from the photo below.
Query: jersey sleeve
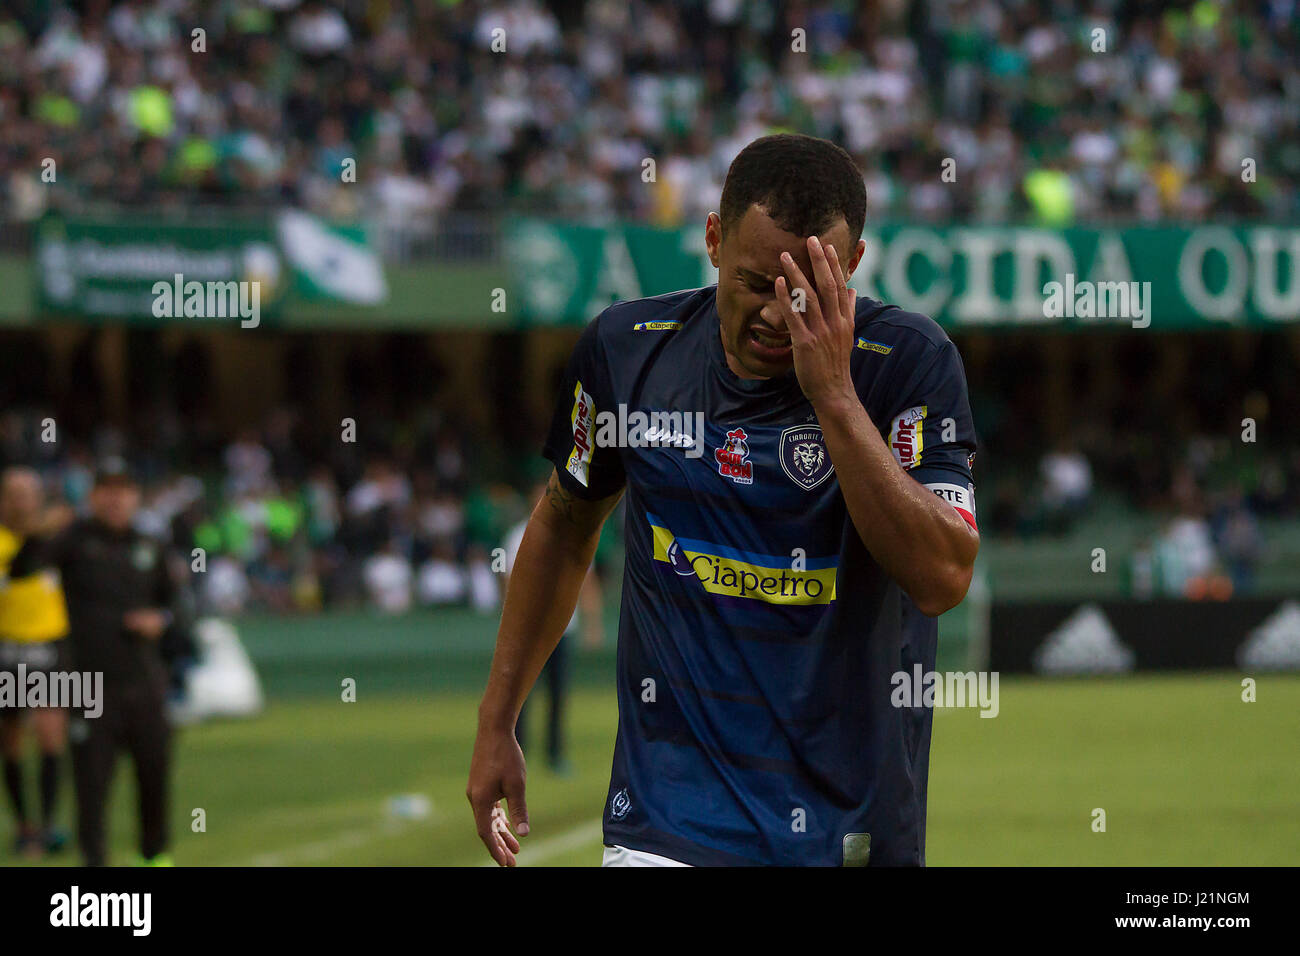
(932, 436)
(587, 471)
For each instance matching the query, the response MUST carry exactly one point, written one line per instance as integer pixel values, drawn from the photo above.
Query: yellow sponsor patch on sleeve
(871, 346)
(583, 418)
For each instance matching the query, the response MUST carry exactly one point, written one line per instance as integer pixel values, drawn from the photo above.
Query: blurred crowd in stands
(267, 529)
(286, 522)
(1053, 110)
(1187, 438)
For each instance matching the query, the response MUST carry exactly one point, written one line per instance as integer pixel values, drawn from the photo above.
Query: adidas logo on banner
(1084, 643)
(1274, 644)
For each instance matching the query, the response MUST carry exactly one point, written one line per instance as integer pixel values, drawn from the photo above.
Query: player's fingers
(518, 807)
(794, 318)
(837, 271)
(501, 826)
(511, 859)
(500, 852)
(847, 303)
(827, 290)
(487, 832)
(504, 841)
(794, 275)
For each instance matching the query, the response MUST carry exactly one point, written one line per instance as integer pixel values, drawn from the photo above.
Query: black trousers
(556, 675)
(134, 720)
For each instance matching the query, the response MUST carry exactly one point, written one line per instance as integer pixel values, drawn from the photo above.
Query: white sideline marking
(531, 853)
(323, 849)
(315, 851)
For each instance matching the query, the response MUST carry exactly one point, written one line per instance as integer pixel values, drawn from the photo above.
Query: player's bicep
(565, 509)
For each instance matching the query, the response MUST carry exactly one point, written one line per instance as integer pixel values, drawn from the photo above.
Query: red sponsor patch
(731, 458)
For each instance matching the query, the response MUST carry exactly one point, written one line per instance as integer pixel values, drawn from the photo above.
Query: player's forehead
(758, 242)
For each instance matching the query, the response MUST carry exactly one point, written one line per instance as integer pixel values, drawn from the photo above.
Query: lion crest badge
(803, 456)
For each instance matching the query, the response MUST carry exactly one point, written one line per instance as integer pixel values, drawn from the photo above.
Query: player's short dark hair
(805, 184)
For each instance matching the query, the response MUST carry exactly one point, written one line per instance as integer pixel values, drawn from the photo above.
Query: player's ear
(858, 251)
(713, 238)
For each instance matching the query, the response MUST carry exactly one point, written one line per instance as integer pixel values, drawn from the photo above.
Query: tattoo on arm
(561, 501)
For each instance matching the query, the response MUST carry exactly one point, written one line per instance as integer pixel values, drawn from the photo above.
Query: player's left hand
(821, 334)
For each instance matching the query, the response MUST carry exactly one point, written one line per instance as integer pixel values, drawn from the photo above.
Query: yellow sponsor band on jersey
(656, 327)
(732, 577)
(871, 346)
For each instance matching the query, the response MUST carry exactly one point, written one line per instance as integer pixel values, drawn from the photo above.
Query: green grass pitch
(1186, 772)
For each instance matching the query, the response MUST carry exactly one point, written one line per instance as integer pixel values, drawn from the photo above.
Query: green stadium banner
(313, 275)
(964, 277)
(242, 271)
(111, 270)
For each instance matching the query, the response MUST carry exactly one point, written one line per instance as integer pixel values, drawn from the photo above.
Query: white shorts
(622, 856)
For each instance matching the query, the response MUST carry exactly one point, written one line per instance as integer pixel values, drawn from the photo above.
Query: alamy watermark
(638, 429)
(921, 688)
(37, 688)
(1085, 299)
(193, 299)
(75, 908)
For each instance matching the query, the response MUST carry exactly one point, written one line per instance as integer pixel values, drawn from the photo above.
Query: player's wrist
(494, 718)
(836, 403)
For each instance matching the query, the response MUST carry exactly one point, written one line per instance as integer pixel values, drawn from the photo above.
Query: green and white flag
(330, 262)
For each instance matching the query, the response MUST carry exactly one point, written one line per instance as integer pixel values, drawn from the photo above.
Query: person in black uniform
(124, 608)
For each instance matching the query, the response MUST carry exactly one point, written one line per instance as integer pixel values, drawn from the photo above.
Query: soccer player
(33, 623)
(781, 567)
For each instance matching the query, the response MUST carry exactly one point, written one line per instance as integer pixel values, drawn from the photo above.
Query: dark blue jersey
(758, 637)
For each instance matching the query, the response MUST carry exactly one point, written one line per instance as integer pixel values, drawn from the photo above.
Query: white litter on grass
(409, 806)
